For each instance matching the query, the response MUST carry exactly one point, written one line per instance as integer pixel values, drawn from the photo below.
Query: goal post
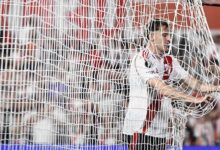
(64, 69)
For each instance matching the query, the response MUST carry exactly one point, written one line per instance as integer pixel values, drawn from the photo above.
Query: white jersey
(148, 111)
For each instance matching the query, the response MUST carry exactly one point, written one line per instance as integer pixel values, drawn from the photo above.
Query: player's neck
(154, 50)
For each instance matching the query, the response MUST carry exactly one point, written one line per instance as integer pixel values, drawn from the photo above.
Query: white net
(66, 78)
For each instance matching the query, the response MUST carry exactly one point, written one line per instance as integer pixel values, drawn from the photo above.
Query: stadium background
(205, 131)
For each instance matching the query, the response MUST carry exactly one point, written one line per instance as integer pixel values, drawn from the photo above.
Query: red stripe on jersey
(155, 106)
(132, 146)
(168, 67)
(151, 113)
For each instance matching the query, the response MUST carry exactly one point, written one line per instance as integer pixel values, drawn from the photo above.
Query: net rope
(64, 67)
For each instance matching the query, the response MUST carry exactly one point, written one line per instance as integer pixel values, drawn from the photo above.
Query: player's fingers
(200, 100)
(203, 99)
(209, 98)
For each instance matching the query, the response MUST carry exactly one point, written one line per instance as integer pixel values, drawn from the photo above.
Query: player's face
(161, 39)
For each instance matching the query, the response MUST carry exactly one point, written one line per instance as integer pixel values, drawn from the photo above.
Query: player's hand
(205, 99)
(218, 89)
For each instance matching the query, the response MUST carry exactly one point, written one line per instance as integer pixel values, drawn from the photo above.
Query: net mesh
(65, 67)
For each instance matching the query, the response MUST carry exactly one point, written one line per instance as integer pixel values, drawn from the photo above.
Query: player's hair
(154, 25)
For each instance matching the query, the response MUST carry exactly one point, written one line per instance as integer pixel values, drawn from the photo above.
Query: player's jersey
(148, 111)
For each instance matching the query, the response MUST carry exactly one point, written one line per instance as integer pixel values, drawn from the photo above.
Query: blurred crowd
(205, 131)
(62, 90)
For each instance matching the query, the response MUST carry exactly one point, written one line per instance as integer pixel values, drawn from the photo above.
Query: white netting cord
(66, 63)
(62, 77)
(178, 125)
(195, 45)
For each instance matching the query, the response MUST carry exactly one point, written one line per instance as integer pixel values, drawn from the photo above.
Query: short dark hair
(154, 25)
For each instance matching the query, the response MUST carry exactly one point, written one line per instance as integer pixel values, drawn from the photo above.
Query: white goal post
(64, 68)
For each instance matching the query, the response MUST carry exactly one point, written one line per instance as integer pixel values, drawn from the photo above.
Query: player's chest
(163, 67)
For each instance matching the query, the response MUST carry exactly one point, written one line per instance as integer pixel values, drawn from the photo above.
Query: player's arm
(216, 71)
(189, 81)
(199, 86)
(172, 93)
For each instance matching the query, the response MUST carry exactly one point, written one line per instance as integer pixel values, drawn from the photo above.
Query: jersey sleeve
(145, 68)
(178, 71)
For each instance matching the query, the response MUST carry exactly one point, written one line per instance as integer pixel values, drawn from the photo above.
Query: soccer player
(151, 74)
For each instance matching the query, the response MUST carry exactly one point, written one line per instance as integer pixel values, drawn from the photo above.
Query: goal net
(64, 69)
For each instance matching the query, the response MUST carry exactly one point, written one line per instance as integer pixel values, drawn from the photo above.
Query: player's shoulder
(140, 57)
(144, 54)
(145, 59)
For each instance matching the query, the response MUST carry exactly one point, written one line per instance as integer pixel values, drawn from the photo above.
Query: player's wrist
(190, 99)
(217, 89)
